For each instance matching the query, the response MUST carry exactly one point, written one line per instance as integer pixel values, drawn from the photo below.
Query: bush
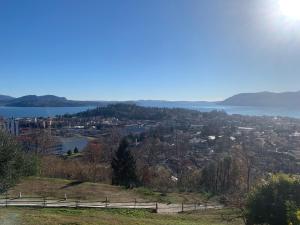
(275, 203)
(293, 214)
(75, 169)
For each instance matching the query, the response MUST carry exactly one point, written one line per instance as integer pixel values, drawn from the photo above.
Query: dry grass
(171, 197)
(57, 188)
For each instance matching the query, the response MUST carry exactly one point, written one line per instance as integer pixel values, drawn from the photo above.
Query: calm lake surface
(253, 111)
(73, 142)
(243, 110)
(39, 111)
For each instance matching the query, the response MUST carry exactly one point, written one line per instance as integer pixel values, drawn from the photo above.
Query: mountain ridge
(258, 99)
(264, 99)
(5, 98)
(55, 101)
(44, 101)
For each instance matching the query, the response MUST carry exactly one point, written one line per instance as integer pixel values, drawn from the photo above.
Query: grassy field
(57, 188)
(27, 216)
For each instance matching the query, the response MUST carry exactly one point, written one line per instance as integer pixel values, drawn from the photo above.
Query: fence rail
(43, 202)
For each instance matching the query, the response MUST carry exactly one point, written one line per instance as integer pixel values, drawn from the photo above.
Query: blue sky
(147, 49)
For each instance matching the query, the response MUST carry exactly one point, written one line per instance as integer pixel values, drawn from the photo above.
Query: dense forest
(134, 112)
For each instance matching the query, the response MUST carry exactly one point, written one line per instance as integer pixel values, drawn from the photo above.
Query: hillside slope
(5, 98)
(265, 99)
(47, 101)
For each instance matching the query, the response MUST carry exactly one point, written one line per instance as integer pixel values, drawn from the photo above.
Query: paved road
(55, 203)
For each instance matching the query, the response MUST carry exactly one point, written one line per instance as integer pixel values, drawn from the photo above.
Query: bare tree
(93, 154)
(39, 142)
(112, 143)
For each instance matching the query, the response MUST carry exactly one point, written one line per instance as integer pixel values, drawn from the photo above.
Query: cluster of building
(195, 140)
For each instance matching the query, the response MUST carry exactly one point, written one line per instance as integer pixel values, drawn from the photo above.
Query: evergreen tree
(124, 167)
(76, 150)
(13, 162)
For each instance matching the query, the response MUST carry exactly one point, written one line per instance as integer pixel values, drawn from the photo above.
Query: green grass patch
(134, 213)
(70, 212)
(29, 216)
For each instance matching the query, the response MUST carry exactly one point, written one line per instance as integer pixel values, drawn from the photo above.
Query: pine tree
(76, 151)
(124, 167)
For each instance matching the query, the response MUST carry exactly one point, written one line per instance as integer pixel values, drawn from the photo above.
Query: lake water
(70, 143)
(253, 111)
(243, 110)
(39, 111)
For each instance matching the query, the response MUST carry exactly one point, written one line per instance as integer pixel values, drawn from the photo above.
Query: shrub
(275, 203)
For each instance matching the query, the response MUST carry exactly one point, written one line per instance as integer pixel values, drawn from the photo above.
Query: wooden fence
(43, 202)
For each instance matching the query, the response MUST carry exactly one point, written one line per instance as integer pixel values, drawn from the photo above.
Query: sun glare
(290, 8)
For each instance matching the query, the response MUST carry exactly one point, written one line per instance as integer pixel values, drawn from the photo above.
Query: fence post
(182, 207)
(135, 203)
(6, 199)
(106, 202)
(156, 207)
(195, 206)
(45, 203)
(76, 204)
(66, 197)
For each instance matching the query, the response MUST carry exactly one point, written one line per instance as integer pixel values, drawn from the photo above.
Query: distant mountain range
(54, 101)
(264, 99)
(44, 101)
(5, 98)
